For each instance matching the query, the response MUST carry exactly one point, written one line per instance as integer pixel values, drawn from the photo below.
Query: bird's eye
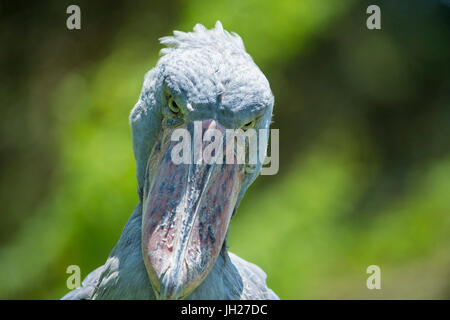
(248, 125)
(173, 106)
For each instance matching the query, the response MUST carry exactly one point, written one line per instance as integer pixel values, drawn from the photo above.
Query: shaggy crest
(201, 38)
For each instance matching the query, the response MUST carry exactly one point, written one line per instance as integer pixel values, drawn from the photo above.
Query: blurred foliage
(364, 118)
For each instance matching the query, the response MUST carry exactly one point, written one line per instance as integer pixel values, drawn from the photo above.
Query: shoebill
(174, 244)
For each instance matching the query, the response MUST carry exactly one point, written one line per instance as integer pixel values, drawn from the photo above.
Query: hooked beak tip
(171, 287)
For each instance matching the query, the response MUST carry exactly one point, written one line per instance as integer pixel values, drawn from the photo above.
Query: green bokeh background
(364, 119)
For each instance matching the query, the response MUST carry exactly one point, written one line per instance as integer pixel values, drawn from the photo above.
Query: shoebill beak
(186, 212)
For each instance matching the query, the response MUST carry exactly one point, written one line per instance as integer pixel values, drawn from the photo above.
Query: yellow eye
(173, 106)
(249, 125)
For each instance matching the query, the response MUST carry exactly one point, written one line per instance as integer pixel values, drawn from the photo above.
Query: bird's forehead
(204, 76)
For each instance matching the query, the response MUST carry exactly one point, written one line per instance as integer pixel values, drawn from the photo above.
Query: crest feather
(202, 37)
